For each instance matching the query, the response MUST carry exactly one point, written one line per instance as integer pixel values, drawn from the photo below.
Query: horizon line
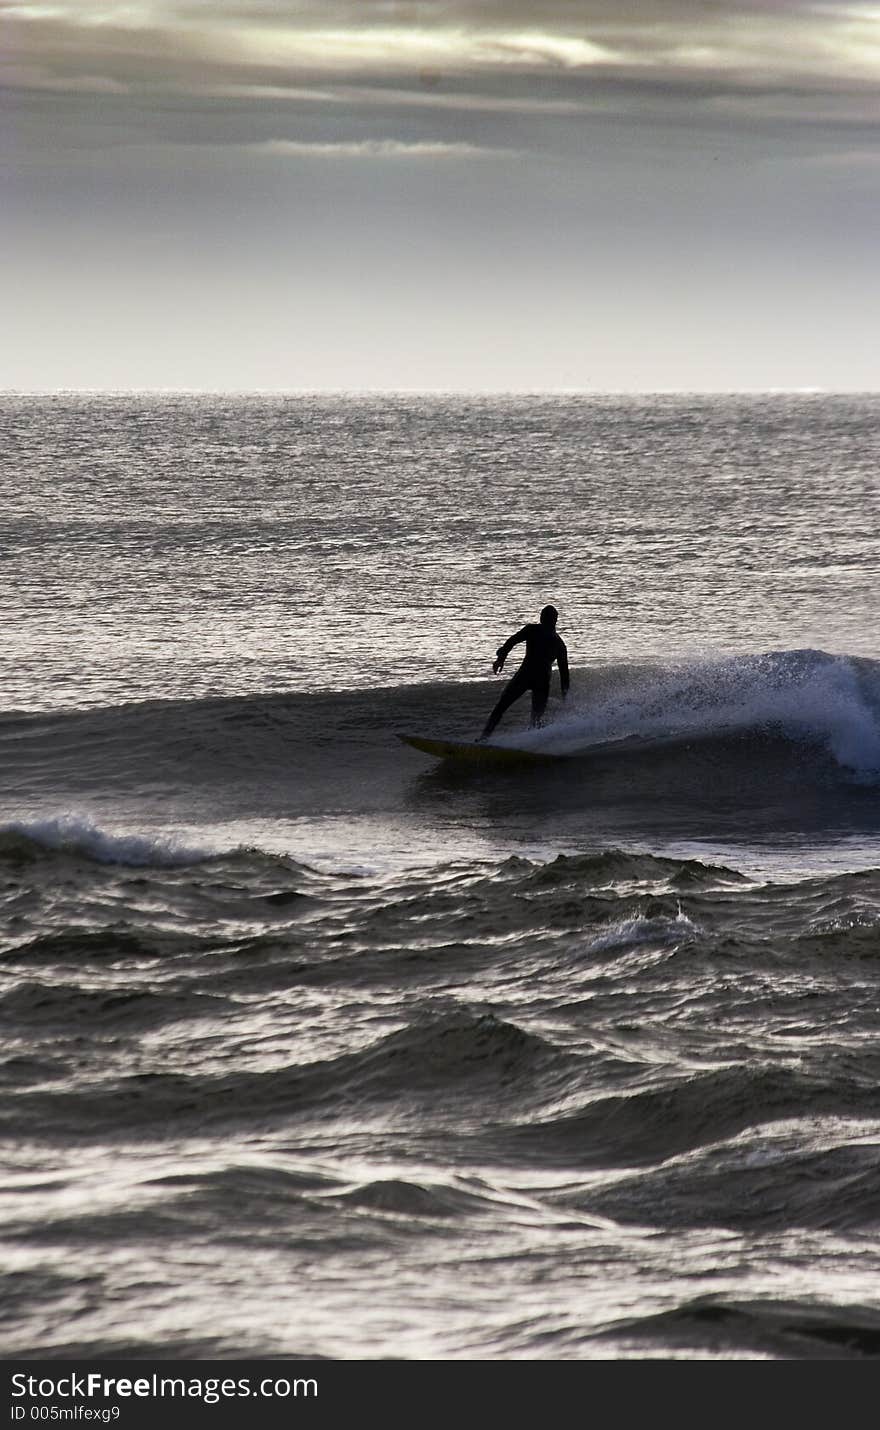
(805, 390)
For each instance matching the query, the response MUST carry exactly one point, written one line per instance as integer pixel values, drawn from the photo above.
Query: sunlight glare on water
(215, 546)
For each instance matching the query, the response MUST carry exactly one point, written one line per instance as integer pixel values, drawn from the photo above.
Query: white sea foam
(801, 694)
(78, 834)
(632, 932)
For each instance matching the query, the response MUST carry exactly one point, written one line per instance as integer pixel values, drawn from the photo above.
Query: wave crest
(832, 700)
(77, 835)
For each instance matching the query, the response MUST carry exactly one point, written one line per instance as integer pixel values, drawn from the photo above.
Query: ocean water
(313, 1046)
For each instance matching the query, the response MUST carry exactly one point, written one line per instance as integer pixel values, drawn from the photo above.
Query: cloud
(868, 159)
(155, 41)
(377, 149)
(741, 60)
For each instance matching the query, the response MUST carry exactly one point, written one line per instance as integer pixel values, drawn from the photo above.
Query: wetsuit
(544, 648)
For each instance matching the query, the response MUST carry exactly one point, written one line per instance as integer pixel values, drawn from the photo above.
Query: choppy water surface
(315, 1047)
(184, 547)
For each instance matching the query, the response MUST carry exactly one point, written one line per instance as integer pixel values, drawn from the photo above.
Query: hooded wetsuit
(544, 648)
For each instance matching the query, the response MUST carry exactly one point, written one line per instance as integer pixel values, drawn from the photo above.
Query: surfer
(544, 649)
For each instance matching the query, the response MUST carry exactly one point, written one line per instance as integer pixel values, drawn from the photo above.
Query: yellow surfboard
(476, 753)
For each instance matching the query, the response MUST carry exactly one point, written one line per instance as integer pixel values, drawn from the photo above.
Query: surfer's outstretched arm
(562, 662)
(503, 651)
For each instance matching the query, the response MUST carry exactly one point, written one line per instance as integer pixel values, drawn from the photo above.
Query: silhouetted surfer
(544, 648)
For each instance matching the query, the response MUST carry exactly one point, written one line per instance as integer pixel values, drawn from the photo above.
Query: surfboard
(476, 753)
(485, 754)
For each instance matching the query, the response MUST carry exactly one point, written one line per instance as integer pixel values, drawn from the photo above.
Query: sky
(468, 195)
